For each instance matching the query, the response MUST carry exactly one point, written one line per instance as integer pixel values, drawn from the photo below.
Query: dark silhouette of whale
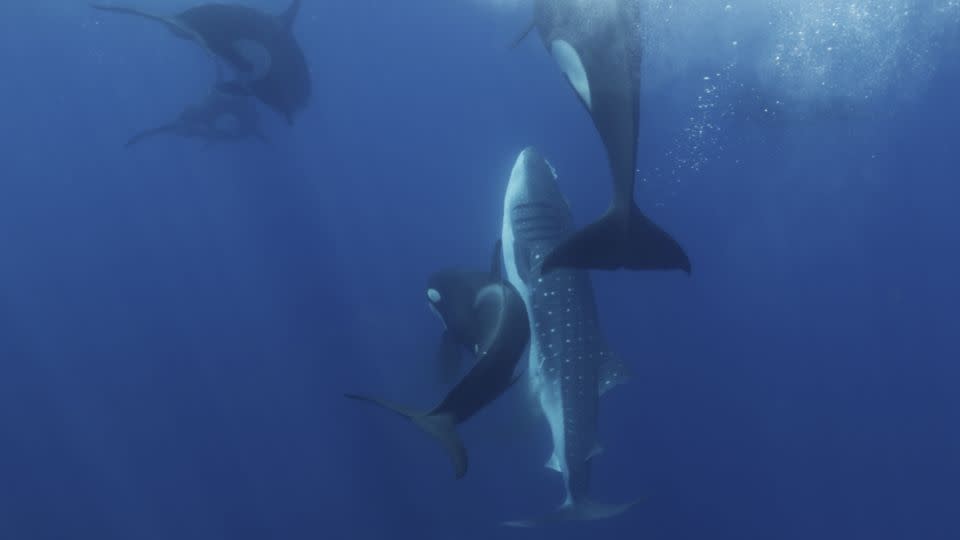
(218, 118)
(490, 317)
(260, 47)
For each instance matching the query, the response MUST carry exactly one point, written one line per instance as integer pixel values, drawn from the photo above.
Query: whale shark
(218, 118)
(259, 46)
(569, 363)
(479, 311)
(596, 45)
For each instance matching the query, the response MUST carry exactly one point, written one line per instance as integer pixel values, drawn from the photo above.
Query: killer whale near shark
(535, 326)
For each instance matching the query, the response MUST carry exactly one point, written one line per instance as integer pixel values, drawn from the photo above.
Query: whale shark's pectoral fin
(553, 463)
(613, 373)
(619, 240)
(440, 426)
(582, 510)
(523, 35)
(290, 15)
(596, 451)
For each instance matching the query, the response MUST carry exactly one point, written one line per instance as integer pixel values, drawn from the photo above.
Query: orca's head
(451, 294)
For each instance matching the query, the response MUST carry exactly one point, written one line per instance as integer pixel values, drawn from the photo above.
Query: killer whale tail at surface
(619, 239)
(441, 427)
(584, 510)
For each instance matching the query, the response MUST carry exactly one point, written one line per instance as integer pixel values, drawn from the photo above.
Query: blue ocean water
(178, 322)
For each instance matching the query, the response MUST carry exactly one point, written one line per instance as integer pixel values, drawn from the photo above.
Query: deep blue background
(178, 325)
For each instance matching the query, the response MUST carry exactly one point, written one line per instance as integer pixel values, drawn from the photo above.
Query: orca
(596, 45)
(259, 46)
(487, 315)
(569, 364)
(218, 118)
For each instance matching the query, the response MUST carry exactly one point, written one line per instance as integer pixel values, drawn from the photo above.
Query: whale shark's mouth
(256, 56)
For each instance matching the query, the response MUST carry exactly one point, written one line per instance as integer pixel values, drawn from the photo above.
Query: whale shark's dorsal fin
(290, 15)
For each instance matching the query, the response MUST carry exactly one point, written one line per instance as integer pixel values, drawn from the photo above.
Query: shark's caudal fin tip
(582, 511)
(619, 240)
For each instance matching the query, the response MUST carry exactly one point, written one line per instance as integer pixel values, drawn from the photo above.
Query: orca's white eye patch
(572, 66)
(257, 57)
(434, 295)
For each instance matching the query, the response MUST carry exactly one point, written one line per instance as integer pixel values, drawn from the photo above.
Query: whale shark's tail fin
(440, 426)
(620, 239)
(584, 510)
(148, 133)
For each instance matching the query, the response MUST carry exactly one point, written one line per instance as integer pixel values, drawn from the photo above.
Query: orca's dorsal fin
(523, 35)
(290, 15)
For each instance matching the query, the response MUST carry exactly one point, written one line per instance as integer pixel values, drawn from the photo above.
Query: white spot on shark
(434, 295)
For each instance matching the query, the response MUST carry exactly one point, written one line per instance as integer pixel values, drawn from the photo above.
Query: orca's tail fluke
(585, 510)
(441, 427)
(620, 239)
(148, 133)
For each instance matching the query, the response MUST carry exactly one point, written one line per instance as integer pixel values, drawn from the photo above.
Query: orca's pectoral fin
(148, 133)
(584, 510)
(441, 427)
(523, 35)
(175, 26)
(619, 240)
